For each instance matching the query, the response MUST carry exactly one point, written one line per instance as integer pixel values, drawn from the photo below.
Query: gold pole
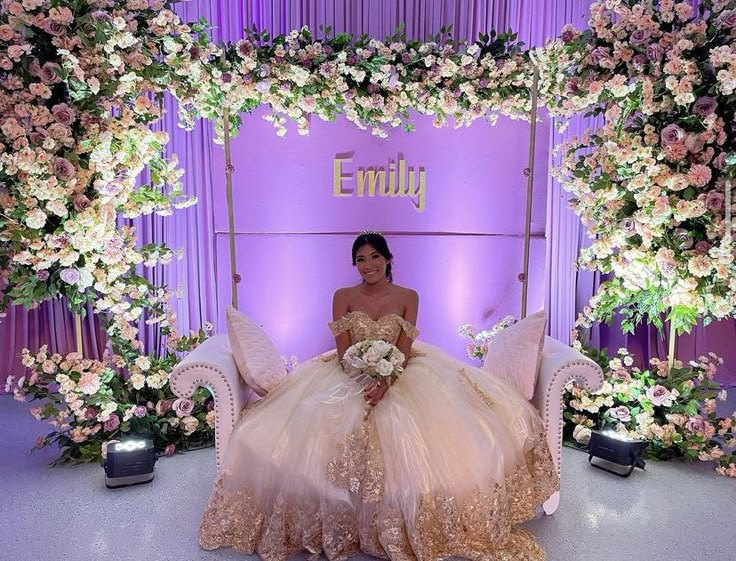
(671, 351)
(230, 213)
(78, 332)
(529, 172)
(234, 277)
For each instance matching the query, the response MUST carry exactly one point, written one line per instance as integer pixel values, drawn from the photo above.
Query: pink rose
(112, 423)
(672, 134)
(90, 413)
(63, 169)
(163, 407)
(183, 407)
(694, 143)
(714, 201)
(169, 450)
(6, 33)
(57, 131)
(719, 162)
(702, 246)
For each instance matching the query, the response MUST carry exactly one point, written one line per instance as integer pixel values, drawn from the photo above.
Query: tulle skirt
(447, 464)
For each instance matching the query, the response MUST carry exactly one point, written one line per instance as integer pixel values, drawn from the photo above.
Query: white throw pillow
(515, 353)
(256, 357)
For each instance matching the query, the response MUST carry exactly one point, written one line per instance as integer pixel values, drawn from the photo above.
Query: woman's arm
(411, 311)
(376, 391)
(339, 309)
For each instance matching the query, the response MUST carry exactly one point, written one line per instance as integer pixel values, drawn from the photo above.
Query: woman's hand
(375, 391)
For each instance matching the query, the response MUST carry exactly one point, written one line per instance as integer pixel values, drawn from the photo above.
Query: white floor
(671, 511)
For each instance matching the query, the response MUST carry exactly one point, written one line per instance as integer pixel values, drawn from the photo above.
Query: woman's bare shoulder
(406, 294)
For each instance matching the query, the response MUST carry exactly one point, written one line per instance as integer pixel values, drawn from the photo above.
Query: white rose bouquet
(377, 359)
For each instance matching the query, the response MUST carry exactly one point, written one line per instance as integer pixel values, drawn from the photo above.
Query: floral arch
(82, 84)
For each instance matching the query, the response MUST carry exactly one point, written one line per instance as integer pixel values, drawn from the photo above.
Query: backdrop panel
(289, 279)
(468, 180)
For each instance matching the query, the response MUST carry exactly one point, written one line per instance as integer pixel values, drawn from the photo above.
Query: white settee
(211, 365)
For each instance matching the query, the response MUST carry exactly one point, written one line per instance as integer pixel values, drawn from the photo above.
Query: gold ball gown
(448, 463)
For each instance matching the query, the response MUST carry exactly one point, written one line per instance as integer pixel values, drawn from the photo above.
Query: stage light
(618, 449)
(129, 462)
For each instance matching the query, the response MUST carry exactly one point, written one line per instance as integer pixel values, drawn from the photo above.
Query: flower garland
(651, 184)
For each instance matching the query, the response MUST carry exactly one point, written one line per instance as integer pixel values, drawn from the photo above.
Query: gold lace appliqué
(361, 327)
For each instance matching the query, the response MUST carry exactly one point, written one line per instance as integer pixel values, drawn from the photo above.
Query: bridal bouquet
(377, 359)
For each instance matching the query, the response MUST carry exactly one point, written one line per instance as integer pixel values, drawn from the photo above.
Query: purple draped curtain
(193, 230)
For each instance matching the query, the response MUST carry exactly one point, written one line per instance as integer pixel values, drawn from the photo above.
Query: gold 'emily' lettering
(339, 177)
(406, 182)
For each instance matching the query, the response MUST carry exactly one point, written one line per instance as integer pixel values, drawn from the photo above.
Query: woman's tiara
(371, 233)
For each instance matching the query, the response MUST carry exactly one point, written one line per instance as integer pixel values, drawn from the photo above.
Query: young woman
(444, 461)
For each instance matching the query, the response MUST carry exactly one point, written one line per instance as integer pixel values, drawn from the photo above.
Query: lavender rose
(661, 396)
(63, 113)
(640, 37)
(69, 276)
(695, 424)
(714, 201)
(719, 162)
(80, 202)
(727, 19)
(621, 413)
(599, 55)
(42, 275)
(704, 106)
(63, 169)
(48, 73)
(183, 407)
(140, 411)
(53, 28)
(655, 52)
(672, 134)
(628, 225)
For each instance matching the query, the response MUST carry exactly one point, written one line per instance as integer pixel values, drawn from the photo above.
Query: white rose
(581, 434)
(137, 381)
(190, 424)
(36, 219)
(382, 347)
(371, 356)
(397, 357)
(143, 363)
(356, 362)
(385, 368)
